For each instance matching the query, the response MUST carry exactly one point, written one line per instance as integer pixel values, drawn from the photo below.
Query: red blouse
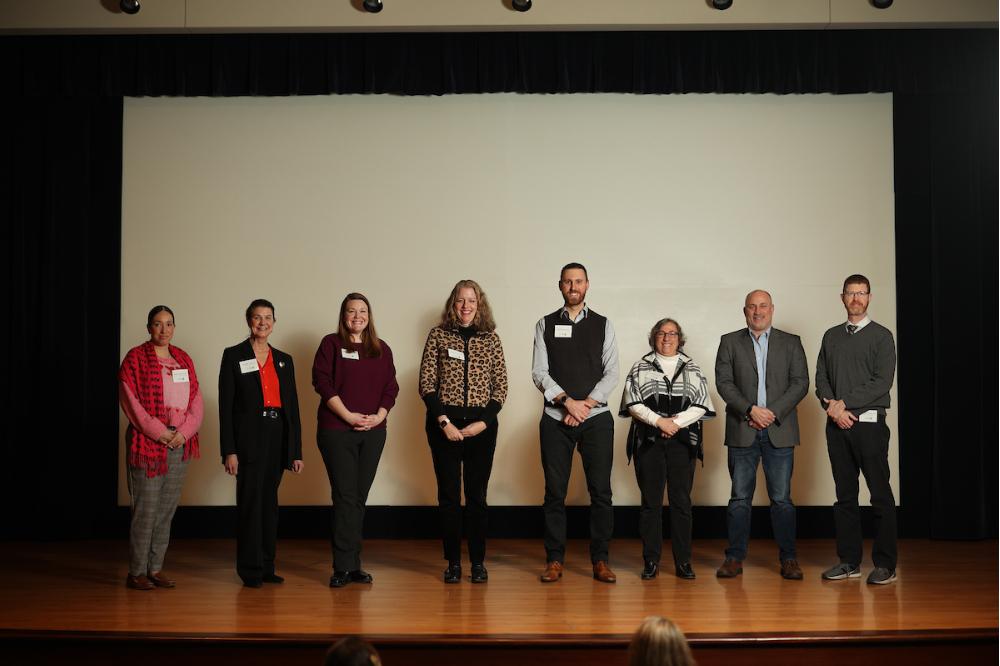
(269, 382)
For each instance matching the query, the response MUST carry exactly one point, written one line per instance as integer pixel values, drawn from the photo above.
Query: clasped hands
(668, 427)
(365, 421)
(839, 414)
(760, 418)
(577, 411)
(455, 435)
(172, 439)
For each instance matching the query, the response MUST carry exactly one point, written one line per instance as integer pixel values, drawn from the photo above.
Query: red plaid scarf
(140, 371)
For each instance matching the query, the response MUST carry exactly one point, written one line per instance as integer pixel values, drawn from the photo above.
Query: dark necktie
(852, 329)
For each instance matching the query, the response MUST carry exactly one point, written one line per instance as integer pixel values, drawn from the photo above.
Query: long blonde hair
(658, 642)
(483, 320)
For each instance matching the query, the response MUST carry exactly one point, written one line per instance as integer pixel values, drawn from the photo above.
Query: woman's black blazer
(241, 402)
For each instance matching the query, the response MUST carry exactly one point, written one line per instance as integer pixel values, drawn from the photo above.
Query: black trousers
(595, 440)
(475, 455)
(670, 463)
(351, 458)
(864, 447)
(257, 503)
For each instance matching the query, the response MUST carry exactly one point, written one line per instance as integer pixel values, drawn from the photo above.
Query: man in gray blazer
(762, 375)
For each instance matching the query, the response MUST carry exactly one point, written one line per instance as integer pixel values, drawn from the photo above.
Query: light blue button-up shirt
(760, 354)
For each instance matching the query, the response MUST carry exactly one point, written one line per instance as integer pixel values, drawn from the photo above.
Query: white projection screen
(678, 205)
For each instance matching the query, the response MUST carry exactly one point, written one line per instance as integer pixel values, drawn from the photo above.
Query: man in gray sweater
(854, 373)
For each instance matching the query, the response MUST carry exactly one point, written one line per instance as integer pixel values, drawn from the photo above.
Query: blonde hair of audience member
(658, 642)
(352, 651)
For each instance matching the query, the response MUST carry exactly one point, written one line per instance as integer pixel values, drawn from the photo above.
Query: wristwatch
(561, 400)
(444, 423)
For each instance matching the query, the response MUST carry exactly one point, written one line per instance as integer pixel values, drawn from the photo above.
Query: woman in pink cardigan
(158, 391)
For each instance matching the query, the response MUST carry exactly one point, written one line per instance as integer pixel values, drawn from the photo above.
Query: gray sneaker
(842, 571)
(881, 576)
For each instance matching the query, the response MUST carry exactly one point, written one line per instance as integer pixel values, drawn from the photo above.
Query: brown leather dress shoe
(159, 580)
(139, 582)
(553, 572)
(730, 569)
(604, 573)
(790, 570)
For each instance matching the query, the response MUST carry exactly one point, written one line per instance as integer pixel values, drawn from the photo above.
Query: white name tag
(563, 331)
(454, 353)
(350, 354)
(180, 376)
(249, 365)
(871, 416)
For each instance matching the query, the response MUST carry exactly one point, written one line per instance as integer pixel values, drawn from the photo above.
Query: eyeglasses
(659, 335)
(855, 294)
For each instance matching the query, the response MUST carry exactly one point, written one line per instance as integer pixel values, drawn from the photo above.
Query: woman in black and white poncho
(666, 394)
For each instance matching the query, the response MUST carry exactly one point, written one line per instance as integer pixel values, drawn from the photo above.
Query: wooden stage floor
(76, 589)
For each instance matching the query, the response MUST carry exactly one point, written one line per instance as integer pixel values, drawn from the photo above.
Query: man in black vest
(575, 366)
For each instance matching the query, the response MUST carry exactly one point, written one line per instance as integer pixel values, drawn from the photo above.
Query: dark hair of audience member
(352, 651)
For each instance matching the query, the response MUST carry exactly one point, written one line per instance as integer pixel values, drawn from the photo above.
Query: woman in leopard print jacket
(463, 382)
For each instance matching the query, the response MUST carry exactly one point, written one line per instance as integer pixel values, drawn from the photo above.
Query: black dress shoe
(360, 576)
(252, 582)
(479, 574)
(684, 571)
(453, 574)
(340, 579)
(273, 578)
(650, 570)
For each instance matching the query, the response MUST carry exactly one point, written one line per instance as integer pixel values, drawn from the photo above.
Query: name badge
(180, 376)
(250, 365)
(871, 416)
(350, 354)
(454, 353)
(564, 331)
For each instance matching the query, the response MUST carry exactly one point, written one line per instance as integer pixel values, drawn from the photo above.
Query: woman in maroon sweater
(356, 381)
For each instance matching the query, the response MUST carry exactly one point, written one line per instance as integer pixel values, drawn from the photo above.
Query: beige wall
(255, 16)
(678, 205)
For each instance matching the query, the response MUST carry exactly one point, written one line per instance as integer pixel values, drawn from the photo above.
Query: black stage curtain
(783, 62)
(62, 191)
(945, 155)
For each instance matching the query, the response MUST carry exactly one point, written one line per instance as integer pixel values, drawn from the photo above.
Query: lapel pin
(281, 364)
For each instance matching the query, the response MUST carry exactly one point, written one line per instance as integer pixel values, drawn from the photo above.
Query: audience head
(658, 642)
(352, 651)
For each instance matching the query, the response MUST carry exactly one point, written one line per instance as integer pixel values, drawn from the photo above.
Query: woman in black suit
(260, 437)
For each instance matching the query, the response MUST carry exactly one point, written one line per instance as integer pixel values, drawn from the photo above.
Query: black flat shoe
(650, 571)
(684, 571)
(479, 574)
(340, 579)
(453, 574)
(273, 578)
(252, 582)
(360, 576)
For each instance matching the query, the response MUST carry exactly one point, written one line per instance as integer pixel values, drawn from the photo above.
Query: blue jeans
(778, 473)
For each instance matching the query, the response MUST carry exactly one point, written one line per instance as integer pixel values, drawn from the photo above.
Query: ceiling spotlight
(372, 6)
(129, 6)
(521, 5)
(722, 4)
(881, 4)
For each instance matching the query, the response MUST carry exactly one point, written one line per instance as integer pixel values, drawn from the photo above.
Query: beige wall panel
(89, 15)
(494, 14)
(678, 205)
(913, 13)
(96, 16)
